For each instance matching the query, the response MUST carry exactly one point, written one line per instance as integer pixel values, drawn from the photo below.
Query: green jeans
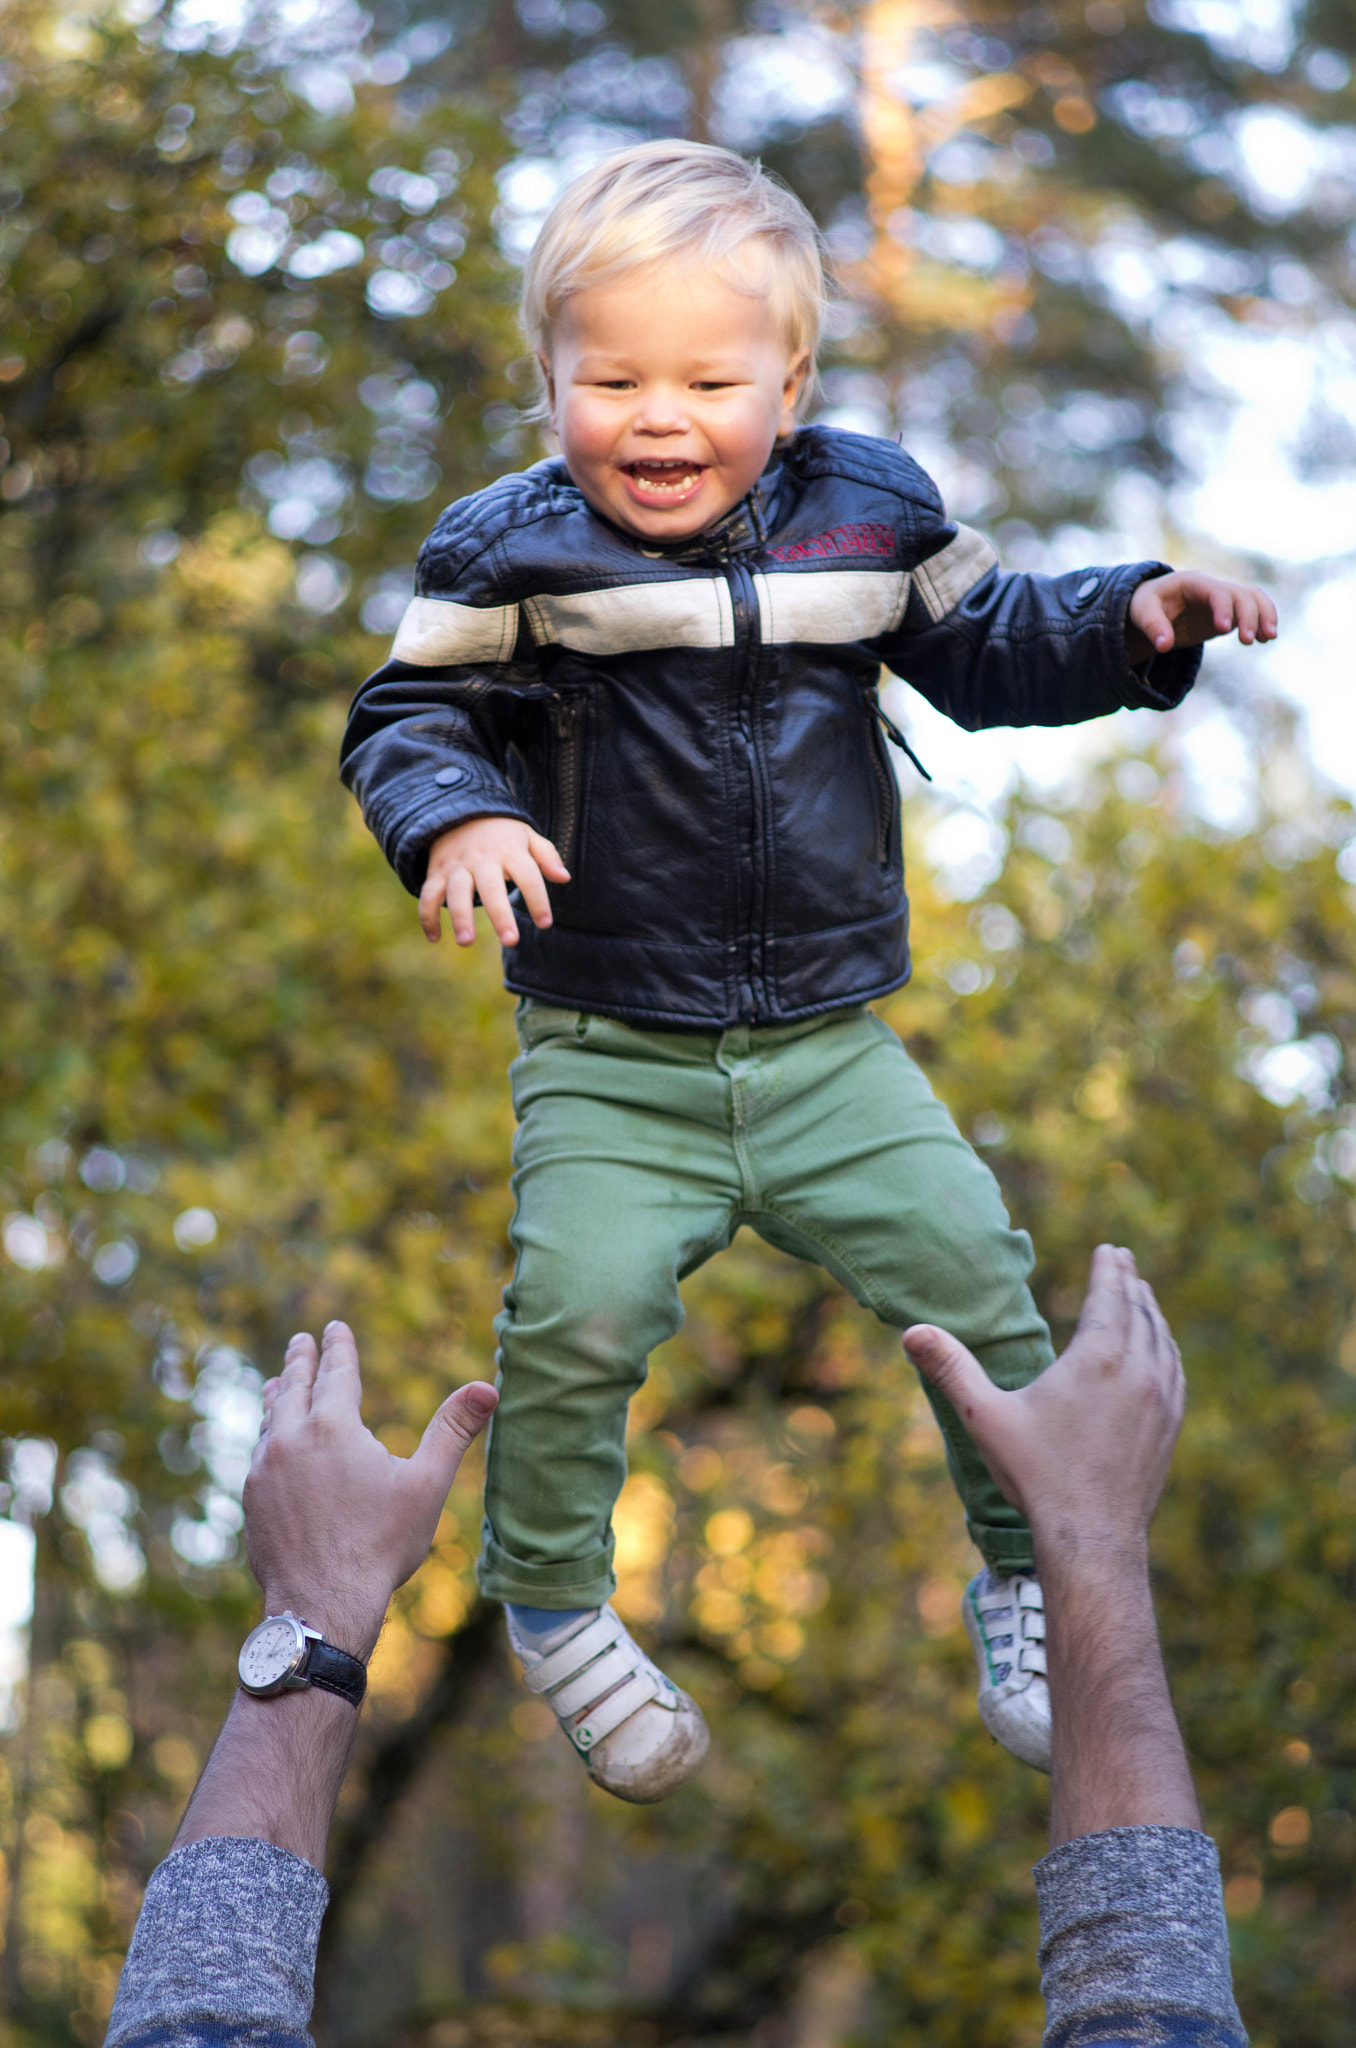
(639, 1154)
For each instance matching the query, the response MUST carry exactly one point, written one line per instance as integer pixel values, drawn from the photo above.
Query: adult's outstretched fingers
(953, 1370)
(339, 1380)
(453, 1430)
(292, 1396)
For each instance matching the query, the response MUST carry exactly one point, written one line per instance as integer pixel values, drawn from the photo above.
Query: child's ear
(797, 370)
(548, 381)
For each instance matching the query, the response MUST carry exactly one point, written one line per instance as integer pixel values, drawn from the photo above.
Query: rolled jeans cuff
(581, 1582)
(1005, 1551)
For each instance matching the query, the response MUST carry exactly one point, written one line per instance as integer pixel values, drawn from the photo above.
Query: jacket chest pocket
(567, 781)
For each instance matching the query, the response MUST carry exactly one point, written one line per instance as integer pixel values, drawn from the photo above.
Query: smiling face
(667, 390)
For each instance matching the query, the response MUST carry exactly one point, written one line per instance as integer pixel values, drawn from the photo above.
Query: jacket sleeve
(1134, 1945)
(223, 1953)
(992, 649)
(426, 746)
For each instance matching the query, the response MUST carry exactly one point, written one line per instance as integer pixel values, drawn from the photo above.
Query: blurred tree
(1043, 213)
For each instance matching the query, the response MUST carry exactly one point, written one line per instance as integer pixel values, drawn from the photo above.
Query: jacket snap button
(1088, 586)
(450, 777)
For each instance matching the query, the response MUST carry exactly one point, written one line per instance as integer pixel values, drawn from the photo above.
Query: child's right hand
(481, 858)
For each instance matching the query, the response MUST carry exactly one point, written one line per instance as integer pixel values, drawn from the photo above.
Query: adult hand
(481, 858)
(1184, 608)
(333, 1522)
(1084, 1450)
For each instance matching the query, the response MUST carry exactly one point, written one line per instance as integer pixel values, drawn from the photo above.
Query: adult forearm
(275, 1773)
(278, 1764)
(1118, 1755)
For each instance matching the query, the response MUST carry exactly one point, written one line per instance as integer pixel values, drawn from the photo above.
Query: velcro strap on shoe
(1033, 1626)
(1031, 1657)
(611, 1712)
(600, 1634)
(1029, 1594)
(600, 1677)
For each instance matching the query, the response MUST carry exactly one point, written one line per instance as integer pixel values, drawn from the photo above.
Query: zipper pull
(896, 738)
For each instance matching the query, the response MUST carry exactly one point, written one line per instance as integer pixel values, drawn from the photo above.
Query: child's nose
(662, 412)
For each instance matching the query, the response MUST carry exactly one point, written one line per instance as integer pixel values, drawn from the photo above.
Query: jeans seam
(826, 1242)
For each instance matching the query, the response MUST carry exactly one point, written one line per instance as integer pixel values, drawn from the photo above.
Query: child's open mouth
(664, 483)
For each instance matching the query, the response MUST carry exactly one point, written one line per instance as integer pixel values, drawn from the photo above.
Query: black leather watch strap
(335, 1671)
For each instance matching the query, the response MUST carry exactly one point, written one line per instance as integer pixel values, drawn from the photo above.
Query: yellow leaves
(176, 1760)
(1242, 1895)
(1290, 1828)
(236, 572)
(729, 1531)
(108, 1741)
(811, 1428)
(1100, 1094)
(967, 1812)
(700, 1468)
(443, 1592)
(68, 37)
(643, 1522)
(395, 1676)
(938, 1603)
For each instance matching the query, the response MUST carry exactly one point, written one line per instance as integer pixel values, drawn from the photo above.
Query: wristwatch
(284, 1655)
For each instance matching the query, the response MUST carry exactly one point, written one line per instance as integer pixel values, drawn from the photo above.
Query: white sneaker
(640, 1737)
(1005, 1621)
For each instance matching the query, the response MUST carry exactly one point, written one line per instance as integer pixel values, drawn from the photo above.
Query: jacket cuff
(1133, 1938)
(225, 1944)
(1161, 682)
(410, 814)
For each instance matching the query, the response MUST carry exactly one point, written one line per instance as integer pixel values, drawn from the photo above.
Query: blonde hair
(678, 199)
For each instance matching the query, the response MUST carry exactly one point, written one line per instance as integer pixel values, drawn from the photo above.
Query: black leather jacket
(696, 727)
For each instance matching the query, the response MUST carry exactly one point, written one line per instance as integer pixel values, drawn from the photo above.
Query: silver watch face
(270, 1653)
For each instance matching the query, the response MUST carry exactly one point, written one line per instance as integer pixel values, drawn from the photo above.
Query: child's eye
(714, 384)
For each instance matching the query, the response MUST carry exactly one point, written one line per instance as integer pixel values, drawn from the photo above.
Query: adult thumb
(455, 1427)
(952, 1369)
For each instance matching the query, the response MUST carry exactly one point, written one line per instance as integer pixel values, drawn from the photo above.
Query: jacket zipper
(565, 717)
(881, 769)
(744, 600)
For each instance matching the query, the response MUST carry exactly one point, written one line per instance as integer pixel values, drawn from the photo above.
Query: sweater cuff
(1134, 1944)
(225, 1941)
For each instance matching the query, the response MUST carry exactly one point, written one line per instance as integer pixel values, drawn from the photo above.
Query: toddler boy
(645, 673)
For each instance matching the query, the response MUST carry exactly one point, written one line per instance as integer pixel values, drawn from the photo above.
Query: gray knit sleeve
(223, 1954)
(1134, 1946)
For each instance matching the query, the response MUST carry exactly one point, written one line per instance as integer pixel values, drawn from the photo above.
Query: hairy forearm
(275, 1773)
(1118, 1755)
(278, 1764)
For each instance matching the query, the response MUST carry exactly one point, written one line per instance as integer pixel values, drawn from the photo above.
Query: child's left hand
(1184, 608)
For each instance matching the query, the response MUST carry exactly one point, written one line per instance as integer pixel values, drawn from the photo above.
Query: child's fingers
(431, 907)
(528, 876)
(547, 859)
(489, 881)
(461, 906)
(1148, 614)
(1268, 623)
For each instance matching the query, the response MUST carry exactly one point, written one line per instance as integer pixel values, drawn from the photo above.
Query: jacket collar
(744, 527)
